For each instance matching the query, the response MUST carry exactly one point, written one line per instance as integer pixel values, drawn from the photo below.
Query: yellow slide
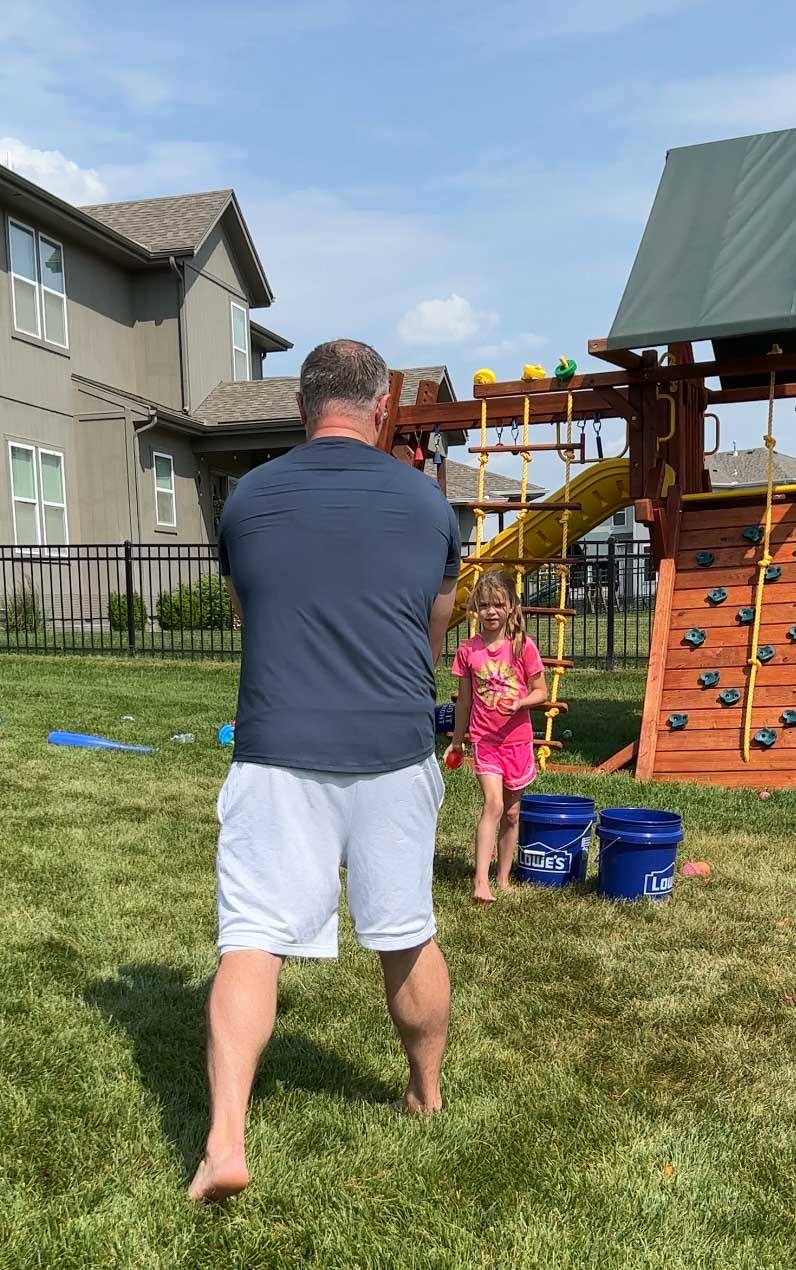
(601, 490)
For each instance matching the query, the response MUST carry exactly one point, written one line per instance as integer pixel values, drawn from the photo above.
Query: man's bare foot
(482, 893)
(218, 1177)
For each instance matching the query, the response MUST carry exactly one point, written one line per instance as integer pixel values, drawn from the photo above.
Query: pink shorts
(513, 761)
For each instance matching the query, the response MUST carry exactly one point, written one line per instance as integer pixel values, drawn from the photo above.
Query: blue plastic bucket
(555, 835)
(638, 853)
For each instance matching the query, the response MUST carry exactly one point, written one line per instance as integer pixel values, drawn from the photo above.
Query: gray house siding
(212, 285)
(157, 339)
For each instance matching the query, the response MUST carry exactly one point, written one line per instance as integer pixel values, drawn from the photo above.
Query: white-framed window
(240, 341)
(619, 520)
(38, 495)
(38, 284)
(165, 499)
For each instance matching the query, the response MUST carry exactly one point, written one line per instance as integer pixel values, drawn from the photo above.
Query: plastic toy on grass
(83, 741)
(766, 737)
(705, 559)
(677, 722)
(717, 596)
(753, 534)
(695, 869)
(766, 653)
(730, 696)
(695, 637)
(745, 616)
(226, 734)
(709, 678)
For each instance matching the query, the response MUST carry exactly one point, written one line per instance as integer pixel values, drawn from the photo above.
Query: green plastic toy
(705, 559)
(753, 533)
(677, 721)
(709, 678)
(766, 737)
(746, 616)
(566, 368)
(695, 636)
(717, 596)
(730, 696)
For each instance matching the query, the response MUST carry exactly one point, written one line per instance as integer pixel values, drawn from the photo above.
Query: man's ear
(302, 411)
(381, 411)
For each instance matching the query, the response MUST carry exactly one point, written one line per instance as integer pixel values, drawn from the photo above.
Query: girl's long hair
(499, 585)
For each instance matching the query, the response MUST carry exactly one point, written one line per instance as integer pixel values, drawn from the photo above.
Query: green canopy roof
(718, 256)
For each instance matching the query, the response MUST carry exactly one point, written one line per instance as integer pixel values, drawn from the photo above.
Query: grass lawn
(620, 1085)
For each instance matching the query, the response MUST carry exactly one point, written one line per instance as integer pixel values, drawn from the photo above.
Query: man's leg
(240, 1016)
(508, 835)
(418, 999)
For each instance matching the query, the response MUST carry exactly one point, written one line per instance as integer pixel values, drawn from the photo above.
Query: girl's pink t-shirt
(496, 674)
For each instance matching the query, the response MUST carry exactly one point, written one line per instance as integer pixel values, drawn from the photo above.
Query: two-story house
(117, 324)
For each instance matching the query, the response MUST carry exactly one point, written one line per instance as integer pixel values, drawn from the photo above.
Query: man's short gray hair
(344, 373)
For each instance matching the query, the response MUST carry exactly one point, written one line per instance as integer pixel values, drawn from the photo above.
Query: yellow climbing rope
(480, 513)
(765, 560)
(526, 460)
(552, 713)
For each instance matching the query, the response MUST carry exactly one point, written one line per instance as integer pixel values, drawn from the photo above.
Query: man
(343, 566)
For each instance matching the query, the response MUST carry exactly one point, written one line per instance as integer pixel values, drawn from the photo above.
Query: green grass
(621, 1081)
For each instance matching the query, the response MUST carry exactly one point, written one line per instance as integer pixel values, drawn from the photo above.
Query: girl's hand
(453, 756)
(510, 705)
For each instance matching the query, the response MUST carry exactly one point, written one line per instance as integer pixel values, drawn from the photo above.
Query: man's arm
(235, 598)
(441, 616)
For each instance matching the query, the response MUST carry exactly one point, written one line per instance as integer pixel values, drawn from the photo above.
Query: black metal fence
(171, 601)
(612, 590)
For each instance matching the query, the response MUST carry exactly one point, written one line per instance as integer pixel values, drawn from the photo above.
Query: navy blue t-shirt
(337, 552)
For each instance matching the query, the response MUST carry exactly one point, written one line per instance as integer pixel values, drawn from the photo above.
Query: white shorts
(285, 833)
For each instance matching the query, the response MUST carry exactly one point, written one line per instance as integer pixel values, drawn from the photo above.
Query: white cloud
(524, 343)
(54, 171)
(450, 321)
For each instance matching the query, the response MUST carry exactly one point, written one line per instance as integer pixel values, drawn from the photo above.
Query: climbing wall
(701, 687)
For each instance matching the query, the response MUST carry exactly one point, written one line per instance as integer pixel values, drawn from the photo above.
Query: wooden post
(393, 403)
(648, 738)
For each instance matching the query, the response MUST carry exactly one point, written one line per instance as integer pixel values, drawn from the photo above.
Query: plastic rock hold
(705, 559)
(766, 737)
(695, 636)
(533, 372)
(484, 376)
(765, 652)
(709, 678)
(788, 717)
(792, 634)
(753, 533)
(745, 616)
(730, 696)
(772, 573)
(566, 368)
(677, 721)
(717, 596)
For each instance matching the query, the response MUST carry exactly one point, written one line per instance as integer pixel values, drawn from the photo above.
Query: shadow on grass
(164, 1019)
(600, 727)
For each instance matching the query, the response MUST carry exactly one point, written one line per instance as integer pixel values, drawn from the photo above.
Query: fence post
(610, 607)
(128, 586)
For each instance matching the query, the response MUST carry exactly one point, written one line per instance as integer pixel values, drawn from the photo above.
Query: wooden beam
(393, 407)
(535, 387)
(624, 357)
(648, 739)
(457, 415)
(622, 758)
(724, 396)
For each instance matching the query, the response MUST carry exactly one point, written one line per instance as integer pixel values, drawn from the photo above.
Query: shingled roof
(173, 224)
(462, 484)
(273, 399)
(749, 467)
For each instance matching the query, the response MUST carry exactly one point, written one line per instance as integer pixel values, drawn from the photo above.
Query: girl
(500, 679)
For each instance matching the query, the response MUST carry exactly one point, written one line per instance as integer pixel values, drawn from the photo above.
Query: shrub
(201, 606)
(24, 610)
(117, 611)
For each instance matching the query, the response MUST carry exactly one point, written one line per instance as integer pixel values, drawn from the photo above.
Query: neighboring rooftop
(462, 484)
(749, 467)
(174, 224)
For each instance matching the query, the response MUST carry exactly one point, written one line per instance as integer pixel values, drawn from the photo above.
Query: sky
(454, 183)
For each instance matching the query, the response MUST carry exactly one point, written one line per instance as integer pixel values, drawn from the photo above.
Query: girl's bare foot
(504, 884)
(482, 893)
(218, 1177)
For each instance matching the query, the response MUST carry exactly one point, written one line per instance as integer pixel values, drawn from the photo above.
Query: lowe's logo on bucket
(541, 859)
(660, 881)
